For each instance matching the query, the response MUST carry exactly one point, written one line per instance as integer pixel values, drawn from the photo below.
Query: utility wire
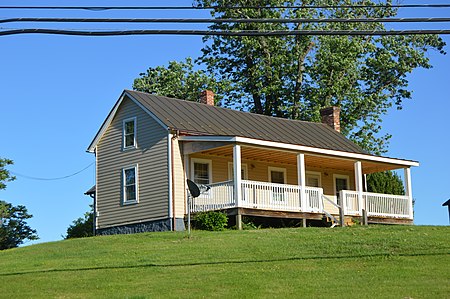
(97, 8)
(224, 33)
(50, 179)
(210, 20)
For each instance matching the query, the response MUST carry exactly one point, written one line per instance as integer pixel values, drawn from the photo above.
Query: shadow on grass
(150, 265)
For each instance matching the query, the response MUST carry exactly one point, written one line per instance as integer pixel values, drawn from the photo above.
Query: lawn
(352, 262)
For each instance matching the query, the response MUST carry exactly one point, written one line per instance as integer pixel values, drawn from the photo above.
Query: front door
(277, 176)
(340, 183)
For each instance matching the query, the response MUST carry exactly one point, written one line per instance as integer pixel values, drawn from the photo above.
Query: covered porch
(274, 179)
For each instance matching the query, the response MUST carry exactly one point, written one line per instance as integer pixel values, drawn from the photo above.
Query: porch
(264, 178)
(284, 197)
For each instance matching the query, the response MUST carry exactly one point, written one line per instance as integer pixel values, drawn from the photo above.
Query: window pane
(129, 127)
(129, 140)
(130, 192)
(277, 177)
(129, 177)
(312, 181)
(341, 184)
(201, 173)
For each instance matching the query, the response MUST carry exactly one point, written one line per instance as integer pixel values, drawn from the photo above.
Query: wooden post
(408, 190)
(301, 180)
(238, 220)
(237, 181)
(365, 220)
(359, 185)
(341, 216)
(303, 222)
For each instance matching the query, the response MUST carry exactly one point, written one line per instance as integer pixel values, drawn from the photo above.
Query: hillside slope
(361, 262)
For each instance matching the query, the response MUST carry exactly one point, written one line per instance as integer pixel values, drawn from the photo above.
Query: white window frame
(136, 183)
(244, 167)
(202, 161)
(134, 120)
(279, 169)
(314, 173)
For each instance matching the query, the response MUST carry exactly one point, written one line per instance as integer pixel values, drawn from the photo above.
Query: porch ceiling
(287, 157)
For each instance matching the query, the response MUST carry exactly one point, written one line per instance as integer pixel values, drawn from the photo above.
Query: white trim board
(302, 148)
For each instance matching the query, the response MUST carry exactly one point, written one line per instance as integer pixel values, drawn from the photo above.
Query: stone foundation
(150, 226)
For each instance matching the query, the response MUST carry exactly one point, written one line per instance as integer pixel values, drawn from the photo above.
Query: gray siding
(151, 158)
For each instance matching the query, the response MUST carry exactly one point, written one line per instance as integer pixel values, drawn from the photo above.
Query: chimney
(331, 117)
(207, 97)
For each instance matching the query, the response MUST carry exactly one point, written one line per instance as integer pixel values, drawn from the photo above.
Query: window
(313, 179)
(130, 185)
(277, 176)
(201, 171)
(244, 171)
(129, 133)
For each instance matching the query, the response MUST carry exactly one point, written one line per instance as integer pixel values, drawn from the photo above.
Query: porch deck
(287, 198)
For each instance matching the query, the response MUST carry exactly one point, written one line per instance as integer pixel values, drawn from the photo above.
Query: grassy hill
(357, 262)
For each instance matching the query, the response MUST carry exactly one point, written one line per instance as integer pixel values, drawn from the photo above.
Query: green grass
(361, 262)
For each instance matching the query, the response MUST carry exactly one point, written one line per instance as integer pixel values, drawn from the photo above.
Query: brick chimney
(207, 97)
(331, 117)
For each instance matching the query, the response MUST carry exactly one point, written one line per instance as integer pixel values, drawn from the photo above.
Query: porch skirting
(149, 226)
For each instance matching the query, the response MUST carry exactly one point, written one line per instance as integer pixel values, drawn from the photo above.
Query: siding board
(151, 158)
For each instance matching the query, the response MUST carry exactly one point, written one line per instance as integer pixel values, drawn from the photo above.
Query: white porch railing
(284, 197)
(382, 205)
(259, 195)
(220, 196)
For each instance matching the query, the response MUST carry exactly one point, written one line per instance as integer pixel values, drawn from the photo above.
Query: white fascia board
(110, 117)
(301, 148)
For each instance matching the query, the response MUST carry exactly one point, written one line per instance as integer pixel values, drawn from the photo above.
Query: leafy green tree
(387, 182)
(178, 80)
(296, 76)
(14, 229)
(82, 227)
(5, 175)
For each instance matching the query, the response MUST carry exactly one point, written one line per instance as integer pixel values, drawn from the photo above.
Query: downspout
(170, 177)
(173, 180)
(94, 220)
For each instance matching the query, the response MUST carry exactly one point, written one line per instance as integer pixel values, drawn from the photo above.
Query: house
(255, 165)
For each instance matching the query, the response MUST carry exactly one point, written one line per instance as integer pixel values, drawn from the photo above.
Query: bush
(213, 221)
(81, 227)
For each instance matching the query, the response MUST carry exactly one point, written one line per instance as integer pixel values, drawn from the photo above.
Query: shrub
(213, 221)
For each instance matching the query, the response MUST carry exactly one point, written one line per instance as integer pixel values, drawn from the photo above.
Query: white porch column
(237, 174)
(301, 177)
(358, 185)
(408, 190)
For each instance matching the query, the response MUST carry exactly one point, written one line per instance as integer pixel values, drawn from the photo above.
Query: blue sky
(57, 90)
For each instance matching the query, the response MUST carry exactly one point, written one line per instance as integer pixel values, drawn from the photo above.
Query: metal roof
(202, 119)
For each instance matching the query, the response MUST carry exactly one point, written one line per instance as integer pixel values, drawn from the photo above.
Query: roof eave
(302, 148)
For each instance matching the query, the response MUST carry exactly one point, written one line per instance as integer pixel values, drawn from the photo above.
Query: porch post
(408, 190)
(301, 178)
(237, 182)
(358, 185)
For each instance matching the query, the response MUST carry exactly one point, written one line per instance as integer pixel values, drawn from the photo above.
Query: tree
(296, 76)
(82, 227)
(178, 80)
(13, 226)
(5, 175)
(387, 182)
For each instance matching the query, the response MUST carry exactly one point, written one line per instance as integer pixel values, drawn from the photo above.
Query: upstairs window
(130, 185)
(129, 133)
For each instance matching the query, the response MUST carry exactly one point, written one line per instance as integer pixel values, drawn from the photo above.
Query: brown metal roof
(198, 118)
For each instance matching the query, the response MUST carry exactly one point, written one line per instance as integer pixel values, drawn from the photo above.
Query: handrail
(330, 201)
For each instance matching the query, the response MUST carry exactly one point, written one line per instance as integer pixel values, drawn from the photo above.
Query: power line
(51, 179)
(211, 20)
(99, 8)
(223, 33)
